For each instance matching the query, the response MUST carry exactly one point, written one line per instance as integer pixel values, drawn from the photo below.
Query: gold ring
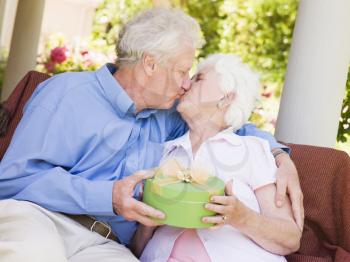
(224, 218)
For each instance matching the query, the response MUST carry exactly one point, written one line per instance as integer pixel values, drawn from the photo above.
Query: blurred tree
(259, 32)
(162, 3)
(109, 18)
(3, 61)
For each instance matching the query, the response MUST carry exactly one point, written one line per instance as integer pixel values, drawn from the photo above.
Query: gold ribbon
(171, 172)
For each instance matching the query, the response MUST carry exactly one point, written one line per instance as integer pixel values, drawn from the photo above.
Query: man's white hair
(238, 78)
(160, 32)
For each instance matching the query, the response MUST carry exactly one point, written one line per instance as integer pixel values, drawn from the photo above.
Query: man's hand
(288, 182)
(126, 205)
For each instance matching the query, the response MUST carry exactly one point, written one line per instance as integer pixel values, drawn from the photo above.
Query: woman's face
(204, 93)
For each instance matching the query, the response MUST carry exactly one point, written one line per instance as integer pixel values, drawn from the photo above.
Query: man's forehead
(184, 59)
(184, 63)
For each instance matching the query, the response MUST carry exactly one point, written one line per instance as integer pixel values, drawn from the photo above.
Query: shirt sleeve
(263, 167)
(252, 130)
(36, 168)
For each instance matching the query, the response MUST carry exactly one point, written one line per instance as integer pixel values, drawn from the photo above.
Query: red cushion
(14, 105)
(325, 180)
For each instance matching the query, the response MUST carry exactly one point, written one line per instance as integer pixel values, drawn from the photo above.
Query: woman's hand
(229, 209)
(273, 228)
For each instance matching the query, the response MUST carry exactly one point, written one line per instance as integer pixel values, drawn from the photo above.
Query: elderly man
(69, 180)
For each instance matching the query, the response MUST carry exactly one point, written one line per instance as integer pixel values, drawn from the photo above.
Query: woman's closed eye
(197, 77)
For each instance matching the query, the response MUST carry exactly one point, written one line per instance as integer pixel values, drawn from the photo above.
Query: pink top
(188, 248)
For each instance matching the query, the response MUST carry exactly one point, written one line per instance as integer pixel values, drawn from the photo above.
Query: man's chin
(168, 105)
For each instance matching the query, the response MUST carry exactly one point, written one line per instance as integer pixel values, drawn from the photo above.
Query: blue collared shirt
(79, 133)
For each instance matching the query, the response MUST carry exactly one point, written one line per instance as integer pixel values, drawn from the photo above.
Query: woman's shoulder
(249, 142)
(255, 142)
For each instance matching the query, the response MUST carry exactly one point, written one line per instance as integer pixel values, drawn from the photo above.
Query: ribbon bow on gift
(170, 172)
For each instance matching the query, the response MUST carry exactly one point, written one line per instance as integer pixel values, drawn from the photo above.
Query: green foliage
(110, 16)
(2, 71)
(208, 15)
(258, 31)
(3, 61)
(344, 124)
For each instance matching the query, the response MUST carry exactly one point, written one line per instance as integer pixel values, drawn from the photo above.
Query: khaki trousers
(29, 232)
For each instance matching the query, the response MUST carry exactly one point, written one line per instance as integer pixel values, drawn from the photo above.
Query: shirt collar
(229, 136)
(184, 141)
(146, 113)
(116, 95)
(113, 91)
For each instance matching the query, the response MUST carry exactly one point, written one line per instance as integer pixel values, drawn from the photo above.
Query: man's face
(170, 81)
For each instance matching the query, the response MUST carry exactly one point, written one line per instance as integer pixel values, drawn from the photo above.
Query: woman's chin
(180, 106)
(185, 107)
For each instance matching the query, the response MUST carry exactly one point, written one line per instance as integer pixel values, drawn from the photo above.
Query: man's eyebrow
(185, 68)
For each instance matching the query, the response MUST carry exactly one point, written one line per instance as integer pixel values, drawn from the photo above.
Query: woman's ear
(148, 63)
(230, 97)
(226, 100)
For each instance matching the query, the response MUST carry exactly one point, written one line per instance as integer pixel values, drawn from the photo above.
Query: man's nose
(186, 84)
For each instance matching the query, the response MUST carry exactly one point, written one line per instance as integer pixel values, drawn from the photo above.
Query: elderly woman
(248, 225)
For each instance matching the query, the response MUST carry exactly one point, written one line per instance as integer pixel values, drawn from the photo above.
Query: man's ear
(148, 63)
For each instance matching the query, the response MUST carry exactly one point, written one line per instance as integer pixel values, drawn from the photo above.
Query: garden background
(259, 31)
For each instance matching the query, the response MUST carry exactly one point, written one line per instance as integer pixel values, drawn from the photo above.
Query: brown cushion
(325, 180)
(12, 109)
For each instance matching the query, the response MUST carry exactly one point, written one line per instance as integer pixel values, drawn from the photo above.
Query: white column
(316, 75)
(24, 43)
(2, 14)
(7, 19)
(72, 18)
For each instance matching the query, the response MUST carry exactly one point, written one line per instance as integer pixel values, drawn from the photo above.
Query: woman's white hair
(160, 32)
(238, 78)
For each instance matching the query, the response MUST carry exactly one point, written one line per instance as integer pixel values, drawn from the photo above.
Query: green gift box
(182, 202)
